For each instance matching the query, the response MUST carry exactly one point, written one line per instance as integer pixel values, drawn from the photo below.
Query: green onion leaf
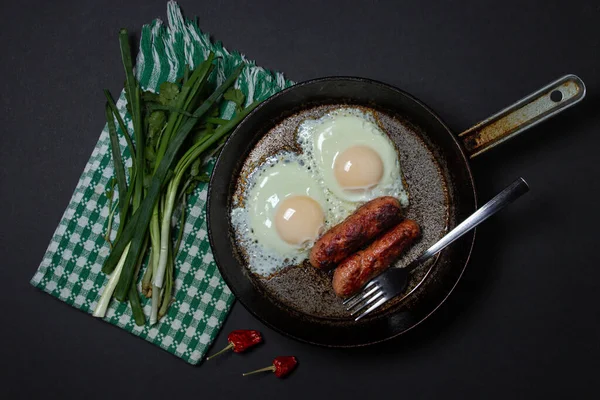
(138, 224)
(117, 160)
(121, 123)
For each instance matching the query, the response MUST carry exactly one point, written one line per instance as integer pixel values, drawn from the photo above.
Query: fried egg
(285, 210)
(354, 157)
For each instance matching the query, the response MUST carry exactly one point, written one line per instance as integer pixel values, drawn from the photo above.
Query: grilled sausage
(355, 232)
(358, 269)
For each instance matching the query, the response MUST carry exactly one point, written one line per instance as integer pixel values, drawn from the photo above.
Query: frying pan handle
(527, 112)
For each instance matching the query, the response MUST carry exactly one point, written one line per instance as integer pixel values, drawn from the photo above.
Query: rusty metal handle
(527, 112)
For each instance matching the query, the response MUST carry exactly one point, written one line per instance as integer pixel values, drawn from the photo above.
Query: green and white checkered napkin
(70, 269)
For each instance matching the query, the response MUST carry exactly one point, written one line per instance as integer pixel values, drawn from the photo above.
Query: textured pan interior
(306, 290)
(300, 302)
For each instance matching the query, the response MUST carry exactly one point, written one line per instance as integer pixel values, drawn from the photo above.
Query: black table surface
(523, 322)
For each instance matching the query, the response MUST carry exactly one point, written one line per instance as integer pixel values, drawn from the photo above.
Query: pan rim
(258, 109)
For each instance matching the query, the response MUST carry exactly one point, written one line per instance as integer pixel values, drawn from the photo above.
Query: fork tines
(362, 303)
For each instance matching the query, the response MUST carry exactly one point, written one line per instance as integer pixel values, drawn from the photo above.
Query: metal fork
(393, 281)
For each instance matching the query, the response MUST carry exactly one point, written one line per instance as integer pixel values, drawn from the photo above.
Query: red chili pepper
(240, 341)
(282, 366)
(243, 339)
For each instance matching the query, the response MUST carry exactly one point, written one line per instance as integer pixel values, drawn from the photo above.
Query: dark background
(524, 321)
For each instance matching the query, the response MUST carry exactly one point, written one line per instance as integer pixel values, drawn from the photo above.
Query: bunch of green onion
(174, 133)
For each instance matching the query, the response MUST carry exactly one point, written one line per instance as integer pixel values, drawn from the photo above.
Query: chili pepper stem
(229, 347)
(270, 368)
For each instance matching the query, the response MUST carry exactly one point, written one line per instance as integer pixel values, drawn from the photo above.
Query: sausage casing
(355, 232)
(359, 268)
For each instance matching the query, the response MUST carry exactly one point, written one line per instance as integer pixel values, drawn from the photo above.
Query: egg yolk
(358, 168)
(299, 219)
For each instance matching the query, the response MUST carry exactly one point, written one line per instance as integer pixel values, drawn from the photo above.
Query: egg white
(281, 176)
(323, 140)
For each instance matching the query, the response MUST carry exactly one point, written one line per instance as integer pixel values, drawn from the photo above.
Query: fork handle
(502, 199)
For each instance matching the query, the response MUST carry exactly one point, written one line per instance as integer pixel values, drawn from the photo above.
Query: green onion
(181, 226)
(162, 170)
(181, 168)
(141, 218)
(116, 155)
(102, 306)
(115, 111)
(182, 113)
(168, 290)
(110, 194)
(134, 298)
